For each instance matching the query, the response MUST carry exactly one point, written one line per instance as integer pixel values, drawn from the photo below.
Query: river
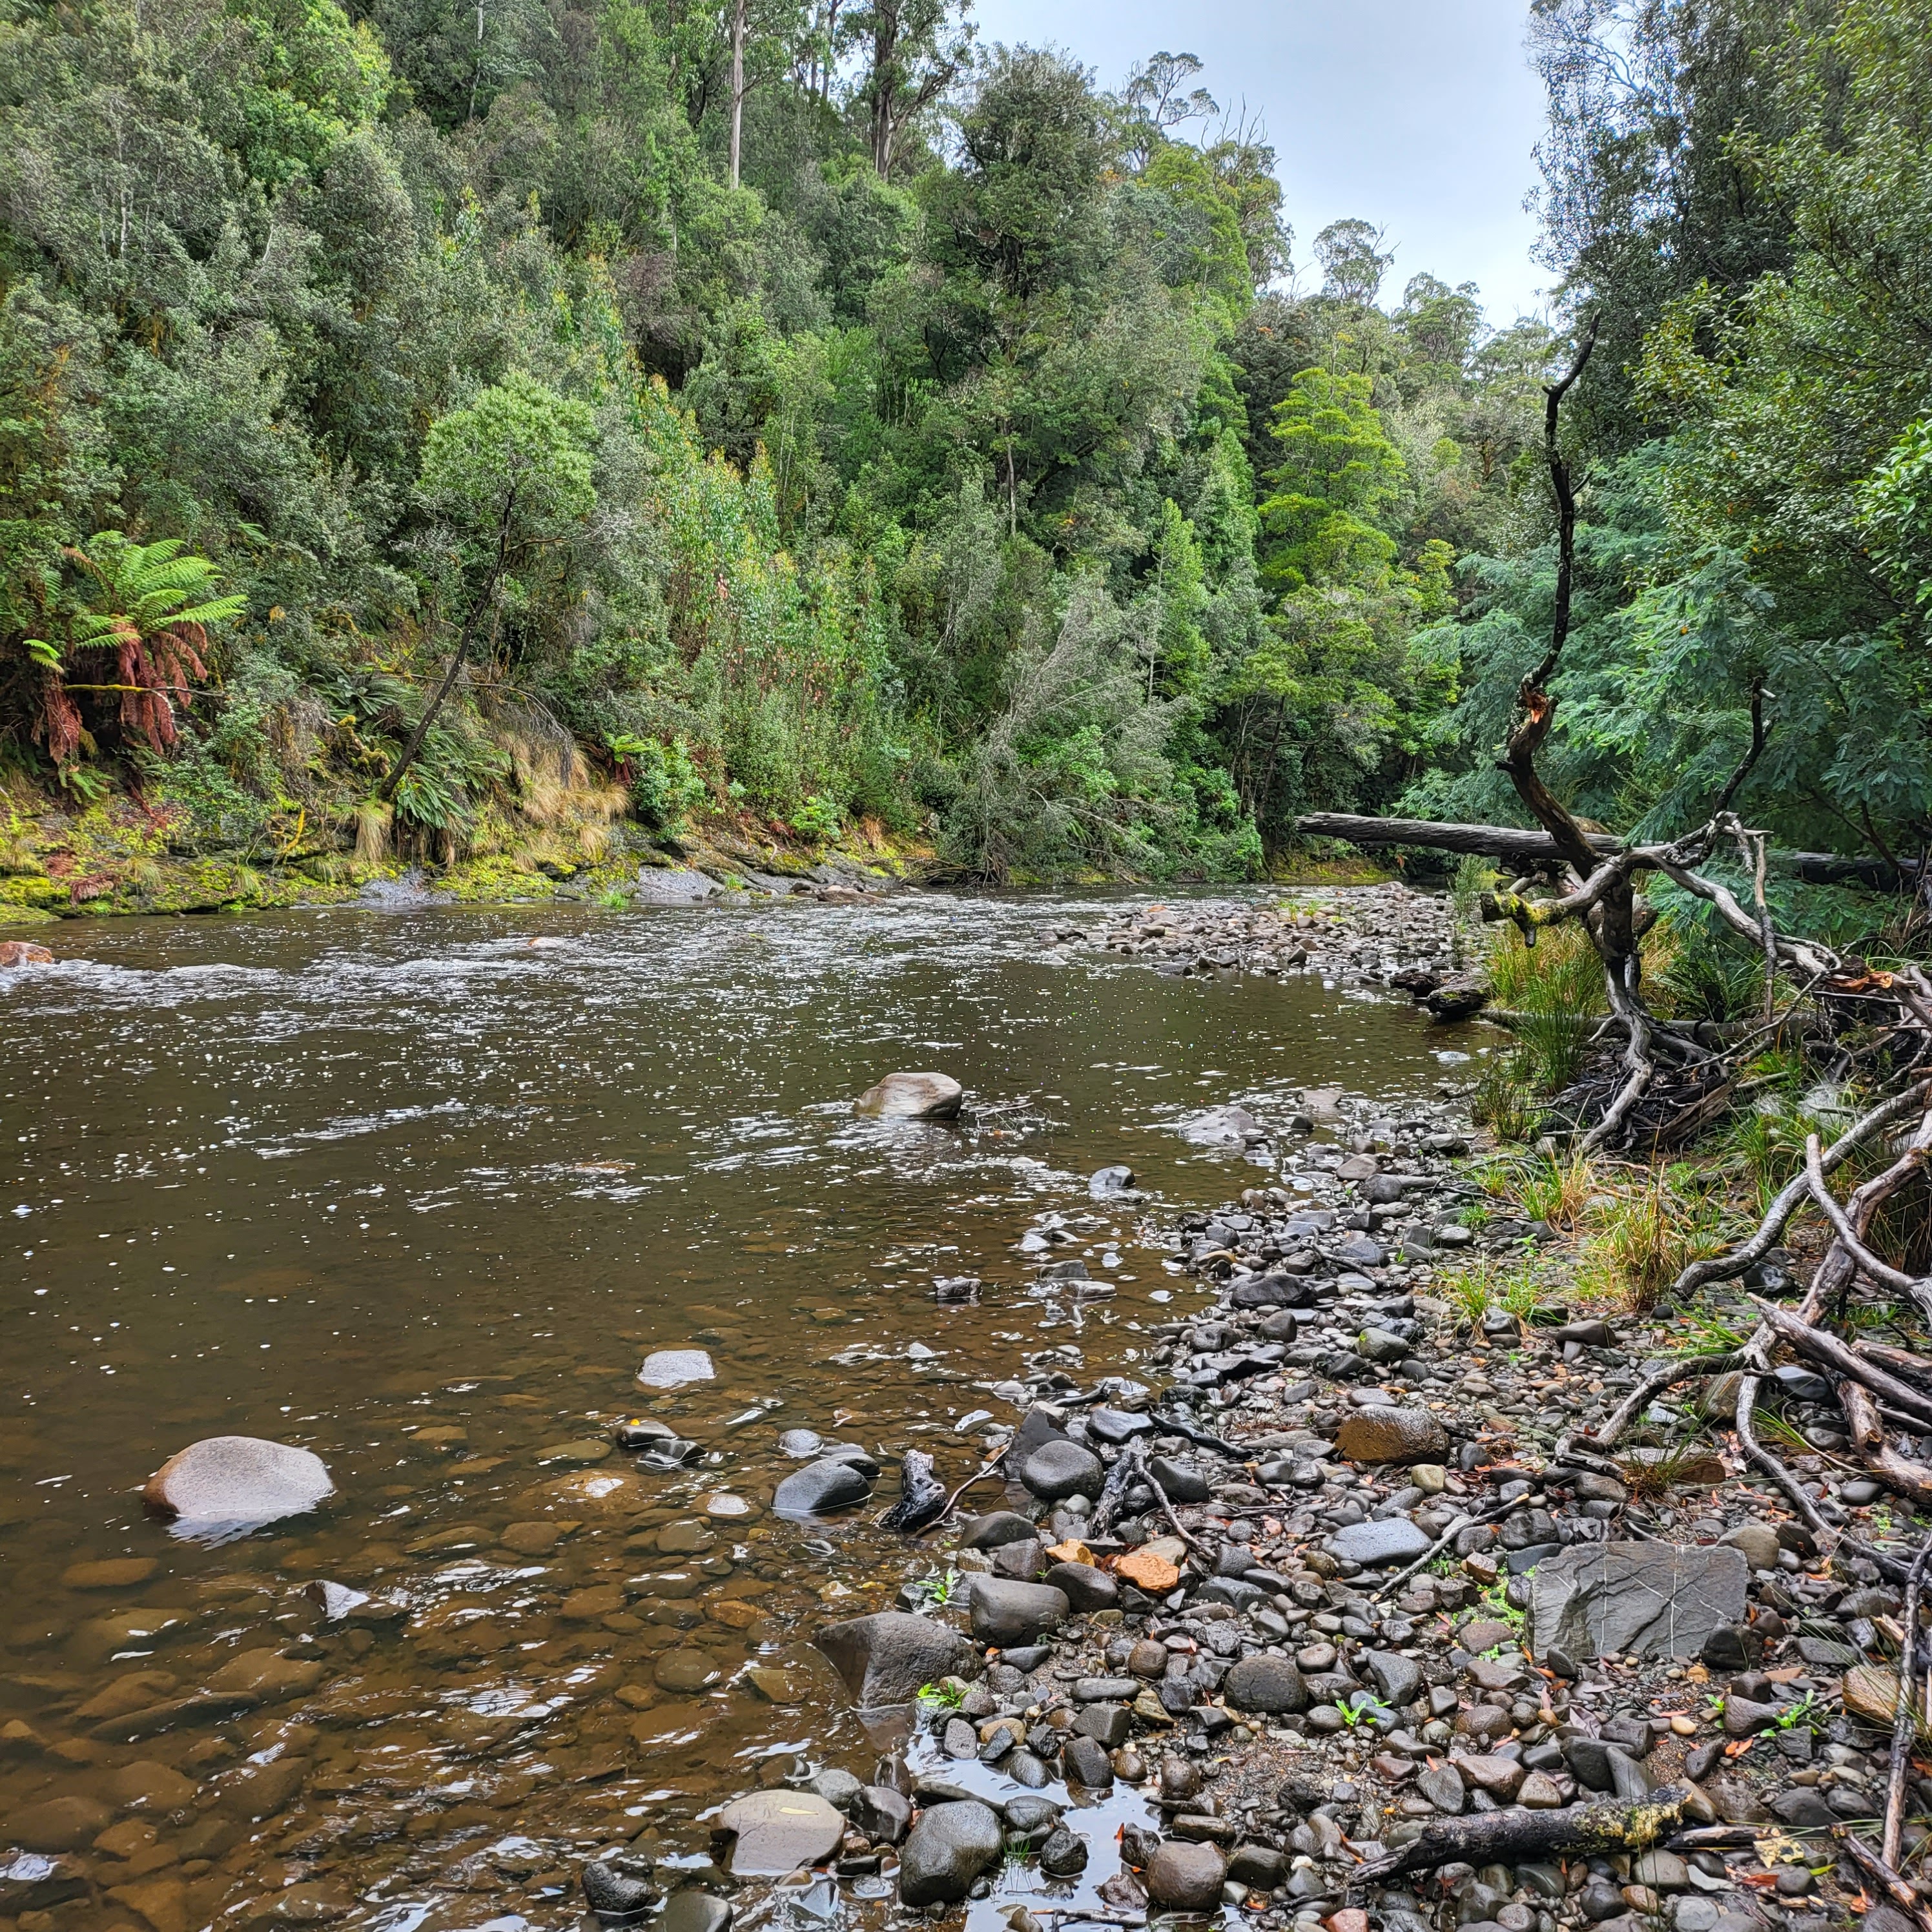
(419, 1189)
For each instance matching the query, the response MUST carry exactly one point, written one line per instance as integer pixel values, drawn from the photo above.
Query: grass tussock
(1642, 1235)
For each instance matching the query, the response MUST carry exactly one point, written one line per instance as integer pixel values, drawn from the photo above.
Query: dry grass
(375, 822)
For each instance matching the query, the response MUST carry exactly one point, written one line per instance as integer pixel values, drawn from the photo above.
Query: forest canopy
(815, 415)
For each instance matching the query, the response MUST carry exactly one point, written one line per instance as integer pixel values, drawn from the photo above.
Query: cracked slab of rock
(1651, 1599)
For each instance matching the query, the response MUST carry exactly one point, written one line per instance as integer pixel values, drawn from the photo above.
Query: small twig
(1180, 1530)
(1494, 1513)
(979, 1477)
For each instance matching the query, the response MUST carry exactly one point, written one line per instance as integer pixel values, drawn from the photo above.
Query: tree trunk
(737, 89)
(1532, 851)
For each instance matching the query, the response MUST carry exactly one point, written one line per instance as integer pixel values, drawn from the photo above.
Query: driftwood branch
(1509, 1837)
(1824, 1348)
(1883, 1875)
(1685, 1369)
(1913, 1099)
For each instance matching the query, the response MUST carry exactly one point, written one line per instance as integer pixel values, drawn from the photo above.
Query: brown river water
(418, 1190)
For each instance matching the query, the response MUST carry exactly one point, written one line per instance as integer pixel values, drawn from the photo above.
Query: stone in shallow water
(774, 1832)
(831, 1483)
(112, 1572)
(687, 1670)
(884, 1658)
(1186, 1877)
(226, 1484)
(912, 1096)
(946, 1850)
(672, 1368)
(691, 1910)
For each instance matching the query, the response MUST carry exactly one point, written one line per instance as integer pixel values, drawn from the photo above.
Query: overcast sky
(1418, 116)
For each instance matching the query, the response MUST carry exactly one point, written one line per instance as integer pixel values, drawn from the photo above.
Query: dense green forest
(426, 424)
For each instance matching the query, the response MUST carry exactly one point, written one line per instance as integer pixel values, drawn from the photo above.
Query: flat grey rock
(672, 885)
(1393, 1540)
(673, 1368)
(774, 1832)
(1651, 1599)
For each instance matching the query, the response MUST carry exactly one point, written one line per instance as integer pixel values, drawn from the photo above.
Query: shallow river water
(419, 1190)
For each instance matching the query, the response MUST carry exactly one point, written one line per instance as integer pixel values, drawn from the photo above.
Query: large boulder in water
(831, 1483)
(24, 952)
(673, 1368)
(228, 1483)
(913, 1096)
(948, 1847)
(884, 1658)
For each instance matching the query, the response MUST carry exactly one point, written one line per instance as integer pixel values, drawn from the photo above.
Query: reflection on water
(419, 1191)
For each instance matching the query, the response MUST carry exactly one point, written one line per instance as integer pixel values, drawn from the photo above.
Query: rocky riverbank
(119, 858)
(1336, 1578)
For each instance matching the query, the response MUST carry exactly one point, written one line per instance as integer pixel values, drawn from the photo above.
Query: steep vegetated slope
(455, 435)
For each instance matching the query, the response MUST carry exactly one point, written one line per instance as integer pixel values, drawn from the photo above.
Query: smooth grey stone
(885, 1657)
(1392, 1540)
(999, 1526)
(948, 1848)
(1057, 1470)
(1264, 1684)
(830, 1483)
(1007, 1613)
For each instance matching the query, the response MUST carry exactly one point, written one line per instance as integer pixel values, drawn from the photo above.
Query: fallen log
(1533, 851)
(1509, 1838)
(1899, 1473)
